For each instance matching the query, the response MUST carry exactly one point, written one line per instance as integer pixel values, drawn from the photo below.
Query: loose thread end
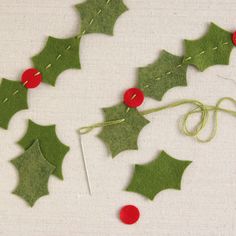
(201, 108)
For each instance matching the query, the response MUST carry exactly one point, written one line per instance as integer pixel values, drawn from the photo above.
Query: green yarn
(195, 132)
(124, 128)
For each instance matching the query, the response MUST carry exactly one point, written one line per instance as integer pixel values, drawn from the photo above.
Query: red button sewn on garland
(129, 214)
(234, 38)
(133, 97)
(31, 78)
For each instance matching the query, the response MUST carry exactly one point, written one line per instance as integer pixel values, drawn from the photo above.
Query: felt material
(13, 98)
(57, 56)
(234, 38)
(99, 16)
(133, 97)
(52, 148)
(164, 172)
(165, 73)
(123, 136)
(129, 214)
(212, 49)
(34, 171)
(31, 78)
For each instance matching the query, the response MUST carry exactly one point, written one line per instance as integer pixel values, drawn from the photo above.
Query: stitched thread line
(80, 35)
(60, 55)
(16, 91)
(93, 19)
(199, 107)
(185, 60)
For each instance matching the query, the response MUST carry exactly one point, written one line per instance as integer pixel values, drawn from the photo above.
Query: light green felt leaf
(52, 148)
(13, 98)
(164, 172)
(165, 73)
(34, 171)
(57, 56)
(212, 49)
(122, 136)
(99, 16)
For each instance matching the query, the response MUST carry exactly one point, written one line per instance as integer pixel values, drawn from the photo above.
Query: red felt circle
(129, 214)
(133, 97)
(31, 78)
(234, 38)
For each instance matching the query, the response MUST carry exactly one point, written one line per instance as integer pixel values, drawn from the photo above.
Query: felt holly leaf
(123, 135)
(99, 16)
(212, 49)
(34, 171)
(165, 73)
(164, 172)
(52, 148)
(57, 56)
(13, 98)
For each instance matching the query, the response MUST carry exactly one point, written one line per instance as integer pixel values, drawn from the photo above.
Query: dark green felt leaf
(122, 136)
(13, 98)
(99, 16)
(212, 49)
(164, 172)
(57, 56)
(165, 73)
(34, 171)
(52, 148)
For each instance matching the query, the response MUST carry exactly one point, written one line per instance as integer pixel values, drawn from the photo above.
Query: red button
(129, 214)
(133, 97)
(234, 38)
(31, 78)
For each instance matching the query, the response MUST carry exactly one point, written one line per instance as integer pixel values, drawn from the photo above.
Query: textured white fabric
(205, 206)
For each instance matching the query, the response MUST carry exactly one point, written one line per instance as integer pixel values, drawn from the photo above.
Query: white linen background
(206, 205)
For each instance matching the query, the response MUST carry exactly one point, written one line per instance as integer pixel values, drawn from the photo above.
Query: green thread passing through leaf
(198, 108)
(165, 172)
(57, 56)
(165, 73)
(99, 16)
(13, 98)
(169, 71)
(123, 134)
(214, 48)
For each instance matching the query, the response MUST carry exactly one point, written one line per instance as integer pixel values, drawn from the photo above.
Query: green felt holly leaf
(164, 172)
(34, 171)
(52, 148)
(57, 56)
(122, 136)
(213, 48)
(99, 16)
(165, 73)
(13, 98)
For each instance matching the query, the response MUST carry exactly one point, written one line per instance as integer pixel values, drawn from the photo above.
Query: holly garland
(97, 16)
(169, 71)
(124, 122)
(44, 152)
